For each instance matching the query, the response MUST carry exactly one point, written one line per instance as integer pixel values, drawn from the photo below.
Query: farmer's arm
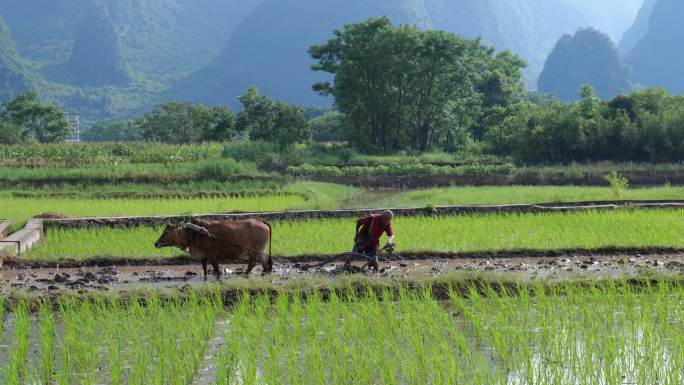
(390, 234)
(360, 223)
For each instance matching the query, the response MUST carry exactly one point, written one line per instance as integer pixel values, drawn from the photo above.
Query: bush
(618, 183)
(224, 168)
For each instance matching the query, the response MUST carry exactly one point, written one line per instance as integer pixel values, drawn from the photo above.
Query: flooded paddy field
(601, 333)
(113, 276)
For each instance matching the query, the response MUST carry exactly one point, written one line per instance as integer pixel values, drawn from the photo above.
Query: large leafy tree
(277, 122)
(25, 119)
(184, 122)
(399, 87)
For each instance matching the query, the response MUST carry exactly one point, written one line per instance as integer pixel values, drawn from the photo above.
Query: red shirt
(377, 227)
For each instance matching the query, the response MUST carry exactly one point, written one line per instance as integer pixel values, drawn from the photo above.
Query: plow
(386, 254)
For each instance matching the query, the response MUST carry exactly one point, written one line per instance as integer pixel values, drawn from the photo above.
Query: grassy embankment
(549, 231)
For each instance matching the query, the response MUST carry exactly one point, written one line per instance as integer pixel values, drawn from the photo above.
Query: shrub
(618, 183)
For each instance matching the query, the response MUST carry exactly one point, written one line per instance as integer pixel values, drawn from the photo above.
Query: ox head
(173, 235)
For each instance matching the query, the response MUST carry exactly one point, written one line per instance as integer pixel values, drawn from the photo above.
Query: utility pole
(74, 120)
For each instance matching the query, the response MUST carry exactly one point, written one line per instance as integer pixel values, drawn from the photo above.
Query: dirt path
(123, 278)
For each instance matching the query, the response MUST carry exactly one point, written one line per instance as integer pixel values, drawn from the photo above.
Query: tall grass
(494, 232)
(174, 172)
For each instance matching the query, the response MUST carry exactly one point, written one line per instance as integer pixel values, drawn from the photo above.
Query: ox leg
(250, 266)
(268, 269)
(204, 268)
(217, 269)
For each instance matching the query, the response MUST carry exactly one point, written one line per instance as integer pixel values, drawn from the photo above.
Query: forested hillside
(658, 58)
(116, 58)
(275, 58)
(110, 57)
(638, 29)
(588, 57)
(14, 76)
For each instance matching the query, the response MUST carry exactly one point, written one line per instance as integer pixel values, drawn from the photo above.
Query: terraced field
(591, 296)
(612, 333)
(590, 230)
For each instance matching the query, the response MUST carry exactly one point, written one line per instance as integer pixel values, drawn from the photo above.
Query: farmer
(368, 233)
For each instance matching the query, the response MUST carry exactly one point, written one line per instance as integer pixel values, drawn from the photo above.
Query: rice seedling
(47, 352)
(523, 194)
(20, 209)
(608, 333)
(574, 334)
(492, 232)
(353, 340)
(103, 341)
(16, 368)
(302, 195)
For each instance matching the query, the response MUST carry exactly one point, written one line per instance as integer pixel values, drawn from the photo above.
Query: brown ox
(209, 241)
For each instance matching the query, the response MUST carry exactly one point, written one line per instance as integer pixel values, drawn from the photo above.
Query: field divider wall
(160, 220)
(23, 240)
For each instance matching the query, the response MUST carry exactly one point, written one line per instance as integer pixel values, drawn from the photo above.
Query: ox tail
(270, 241)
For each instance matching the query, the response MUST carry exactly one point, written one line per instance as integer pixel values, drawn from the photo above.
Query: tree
(291, 125)
(115, 131)
(276, 122)
(396, 85)
(256, 117)
(25, 119)
(184, 122)
(9, 133)
(328, 127)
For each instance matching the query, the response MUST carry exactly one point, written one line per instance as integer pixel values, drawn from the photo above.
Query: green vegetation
(529, 336)
(403, 88)
(108, 341)
(401, 169)
(26, 120)
(304, 195)
(137, 172)
(108, 153)
(523, 194)
(20, 209)
(476, 233)
(176, 122)
(486, 333)
(276, 122)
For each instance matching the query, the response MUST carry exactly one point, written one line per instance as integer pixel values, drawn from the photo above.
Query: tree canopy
(25, 120)
(184, 122)
(269, 121)
(402, 88)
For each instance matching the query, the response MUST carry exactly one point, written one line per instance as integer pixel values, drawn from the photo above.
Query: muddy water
(133, 277)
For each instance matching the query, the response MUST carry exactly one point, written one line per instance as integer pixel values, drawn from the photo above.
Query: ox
(210, 241)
